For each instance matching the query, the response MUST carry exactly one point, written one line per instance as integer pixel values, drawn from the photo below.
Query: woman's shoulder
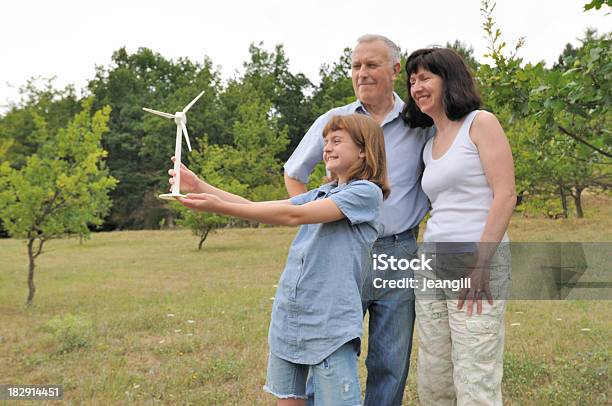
(484, 117)
(484, 120)
(485, 124)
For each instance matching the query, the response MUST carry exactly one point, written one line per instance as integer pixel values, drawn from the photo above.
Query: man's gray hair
(394, 51)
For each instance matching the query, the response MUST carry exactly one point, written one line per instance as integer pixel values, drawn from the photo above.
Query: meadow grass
(143, 317)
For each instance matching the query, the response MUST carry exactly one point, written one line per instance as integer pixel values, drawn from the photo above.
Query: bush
(70, 332)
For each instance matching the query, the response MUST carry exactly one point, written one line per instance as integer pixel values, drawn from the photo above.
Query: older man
(375, 66)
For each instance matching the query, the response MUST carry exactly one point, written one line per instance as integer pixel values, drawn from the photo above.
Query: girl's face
(427, 91)
(340, 153)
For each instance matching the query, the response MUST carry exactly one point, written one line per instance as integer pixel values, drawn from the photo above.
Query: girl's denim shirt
(317, 307)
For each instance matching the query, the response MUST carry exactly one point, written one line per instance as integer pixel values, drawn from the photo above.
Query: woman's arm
(319, 211)
(496, 157)
(294, 187)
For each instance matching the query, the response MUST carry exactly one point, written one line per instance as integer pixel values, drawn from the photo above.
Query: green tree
(401, 83)
(597, 4)
(258, 140)
(573, 107)
(38, 97)
(335, 85)
(268, 72)
(467, 53)
(63, 187)
(565, 109)
(140, 144)
(5, 145)
(200, 224)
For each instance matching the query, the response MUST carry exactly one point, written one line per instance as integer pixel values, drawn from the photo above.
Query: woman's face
(427, 91)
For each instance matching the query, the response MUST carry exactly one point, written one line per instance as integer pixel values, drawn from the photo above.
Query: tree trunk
(169, 221)
(203, 238)
(33, 253)
(32, 257)
(578, 202)
(563, 198)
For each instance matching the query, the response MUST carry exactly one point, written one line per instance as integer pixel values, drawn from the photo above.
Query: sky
(68, 38)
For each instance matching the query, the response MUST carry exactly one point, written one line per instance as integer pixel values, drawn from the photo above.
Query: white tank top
(458, 190)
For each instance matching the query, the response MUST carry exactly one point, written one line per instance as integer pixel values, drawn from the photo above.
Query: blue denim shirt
(407, 204)
(317, 307)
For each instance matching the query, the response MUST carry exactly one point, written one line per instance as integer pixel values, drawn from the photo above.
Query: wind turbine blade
(193, 101)
(159, 113)
(186, 135)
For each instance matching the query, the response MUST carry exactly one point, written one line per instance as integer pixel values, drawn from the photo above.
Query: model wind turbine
(180, 118)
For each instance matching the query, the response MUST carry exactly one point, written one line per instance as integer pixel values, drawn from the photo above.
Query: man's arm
(294, 187)
(306, 156)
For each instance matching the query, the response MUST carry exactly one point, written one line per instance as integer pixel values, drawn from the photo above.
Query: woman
(469, 179)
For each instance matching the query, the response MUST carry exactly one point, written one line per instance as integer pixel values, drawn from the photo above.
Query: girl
(469, 179)
(317, 315)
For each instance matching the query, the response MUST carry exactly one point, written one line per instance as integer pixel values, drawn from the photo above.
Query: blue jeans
(335, 379)
(390, 326)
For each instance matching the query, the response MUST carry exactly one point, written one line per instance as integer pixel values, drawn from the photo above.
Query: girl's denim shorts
(335, 379)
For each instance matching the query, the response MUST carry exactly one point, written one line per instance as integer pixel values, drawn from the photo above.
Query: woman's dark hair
(460, 94)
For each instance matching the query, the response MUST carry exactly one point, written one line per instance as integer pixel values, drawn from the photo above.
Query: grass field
(143, 317)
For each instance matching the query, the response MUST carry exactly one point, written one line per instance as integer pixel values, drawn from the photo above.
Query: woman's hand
(189, 181)
(479, 289)
(201, 202)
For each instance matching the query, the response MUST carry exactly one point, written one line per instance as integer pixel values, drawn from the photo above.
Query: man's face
(373, 73)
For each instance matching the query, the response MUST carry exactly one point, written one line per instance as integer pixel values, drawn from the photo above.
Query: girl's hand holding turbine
(190, 183)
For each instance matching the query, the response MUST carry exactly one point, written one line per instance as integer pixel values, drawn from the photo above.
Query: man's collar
(398, 106)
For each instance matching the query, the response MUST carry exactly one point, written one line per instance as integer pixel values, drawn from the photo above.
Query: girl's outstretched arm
(232, 198)
(318, 211)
